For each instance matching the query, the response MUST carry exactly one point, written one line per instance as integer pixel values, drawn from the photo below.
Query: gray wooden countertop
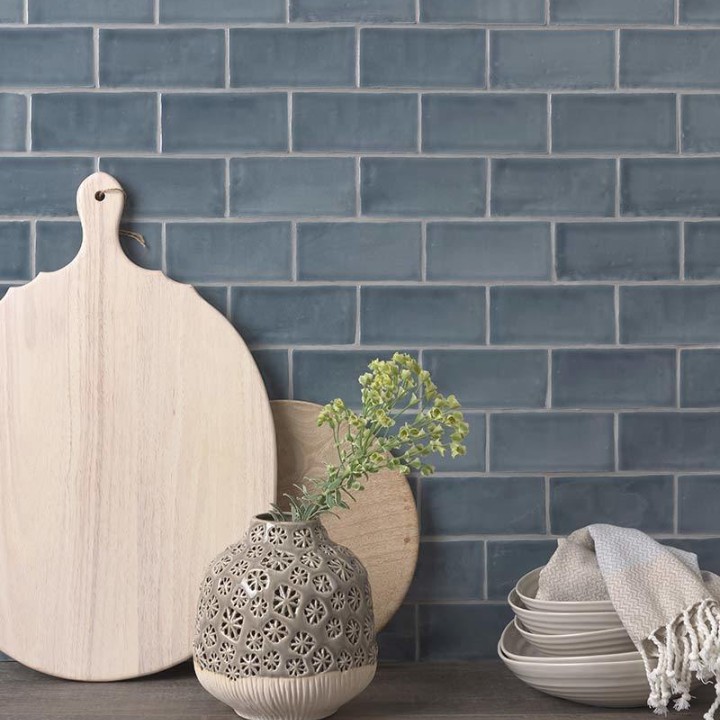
(480, 690)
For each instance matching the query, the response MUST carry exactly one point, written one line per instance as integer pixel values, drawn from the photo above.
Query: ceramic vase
(285, 627)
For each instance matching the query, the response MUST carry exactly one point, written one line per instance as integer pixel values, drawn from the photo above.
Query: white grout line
(488, 333)
(485, 572)
(676, 504)
(548, 523)
(290, 378)
(417, 11)
(423, 251)
(163, 248)
(487, 60)
(287, 11)
(358, 316)
(357, 57)
(358, 187)
(549, 129)
(678, 378)
(96, 57)
(33, 249)
(618, 188)
(290, 113)
(488, 187)
(227, 187)
(616, 312)
(547, 12)
(26, 12)
(28, 123)
(616, 440)
(553, 252)
(419, 122)
(158, 120)
(678, 123)
(487, 442)
(676, 12)
(227, 58)
(229, 302)
(156, 12)
(617, 59)
(293, 251)
(682, 251)
(549, 391)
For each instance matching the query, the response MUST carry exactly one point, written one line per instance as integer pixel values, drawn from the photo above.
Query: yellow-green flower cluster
(403, 421)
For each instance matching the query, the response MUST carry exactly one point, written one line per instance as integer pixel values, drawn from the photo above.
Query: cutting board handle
(100, 202)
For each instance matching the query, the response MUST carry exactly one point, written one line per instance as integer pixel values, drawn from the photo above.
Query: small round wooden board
(136, 442)
(381, 528)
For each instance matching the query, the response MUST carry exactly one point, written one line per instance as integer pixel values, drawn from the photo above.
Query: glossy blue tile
(614, 123)
(419, 315)
(46, 57)
(667, 441)
(707, 551)
(358, 251)
(699, 11)
(222, 252)
(352, 10)
(13, 119)
(488, 251)
(317, 57)
(698, 497)
(11, 11)
(292, 186)
(700, 123)
(294, 315)
(423, 186)
(489, 11)
(41, 186)
(461, 632)
(551, 59)
(162, 58)
(57, 243)
(355, 121)
(491, 378)
(566, 315)
(170, 186)
(645, 503)
(542, 187)
(483, 506)
(422, 58)
(222, 11)
(700, 378)
(702, 250)
(396, 642)
(677, 186)
(669, 58)
(618, 251)
(644, 12)
(323, 375)
(216, 295)
(669, 314)
(509, 560)
(89, 11)
(447, 571)
(613, 378)
(484, 123)
(94, 122)
(274, 368)
(15, 261)
(226, 122)
(551, 442)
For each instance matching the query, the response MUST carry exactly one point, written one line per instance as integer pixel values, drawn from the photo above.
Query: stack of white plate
(574, 650)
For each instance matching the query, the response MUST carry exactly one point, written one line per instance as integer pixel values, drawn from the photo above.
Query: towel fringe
(690, 644)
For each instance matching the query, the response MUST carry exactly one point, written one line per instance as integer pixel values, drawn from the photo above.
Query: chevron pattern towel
(670, 609)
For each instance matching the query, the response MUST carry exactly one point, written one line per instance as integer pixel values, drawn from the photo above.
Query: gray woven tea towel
(668, 606)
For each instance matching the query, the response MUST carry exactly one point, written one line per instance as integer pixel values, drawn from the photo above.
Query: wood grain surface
(136, 442)
(381, 528)
(472, 691)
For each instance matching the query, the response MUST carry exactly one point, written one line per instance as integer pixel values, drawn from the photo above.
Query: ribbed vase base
(285, 698)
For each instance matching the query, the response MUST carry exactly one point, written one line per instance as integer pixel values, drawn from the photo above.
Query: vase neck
(286, 535)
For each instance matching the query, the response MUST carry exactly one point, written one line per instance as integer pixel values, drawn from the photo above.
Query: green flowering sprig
(403, 420)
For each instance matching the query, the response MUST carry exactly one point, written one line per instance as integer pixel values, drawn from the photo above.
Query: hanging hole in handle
(99, 195)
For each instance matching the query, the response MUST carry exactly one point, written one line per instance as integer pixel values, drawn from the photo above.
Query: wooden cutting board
(136, 441)
(381, 528)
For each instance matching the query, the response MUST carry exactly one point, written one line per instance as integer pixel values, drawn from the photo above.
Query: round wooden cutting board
(381, 528)
(136, 442)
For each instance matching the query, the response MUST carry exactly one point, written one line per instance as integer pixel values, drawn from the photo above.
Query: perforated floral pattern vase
(285, 627)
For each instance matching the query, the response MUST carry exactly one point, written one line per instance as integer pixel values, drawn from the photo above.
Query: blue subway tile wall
(523, 195)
